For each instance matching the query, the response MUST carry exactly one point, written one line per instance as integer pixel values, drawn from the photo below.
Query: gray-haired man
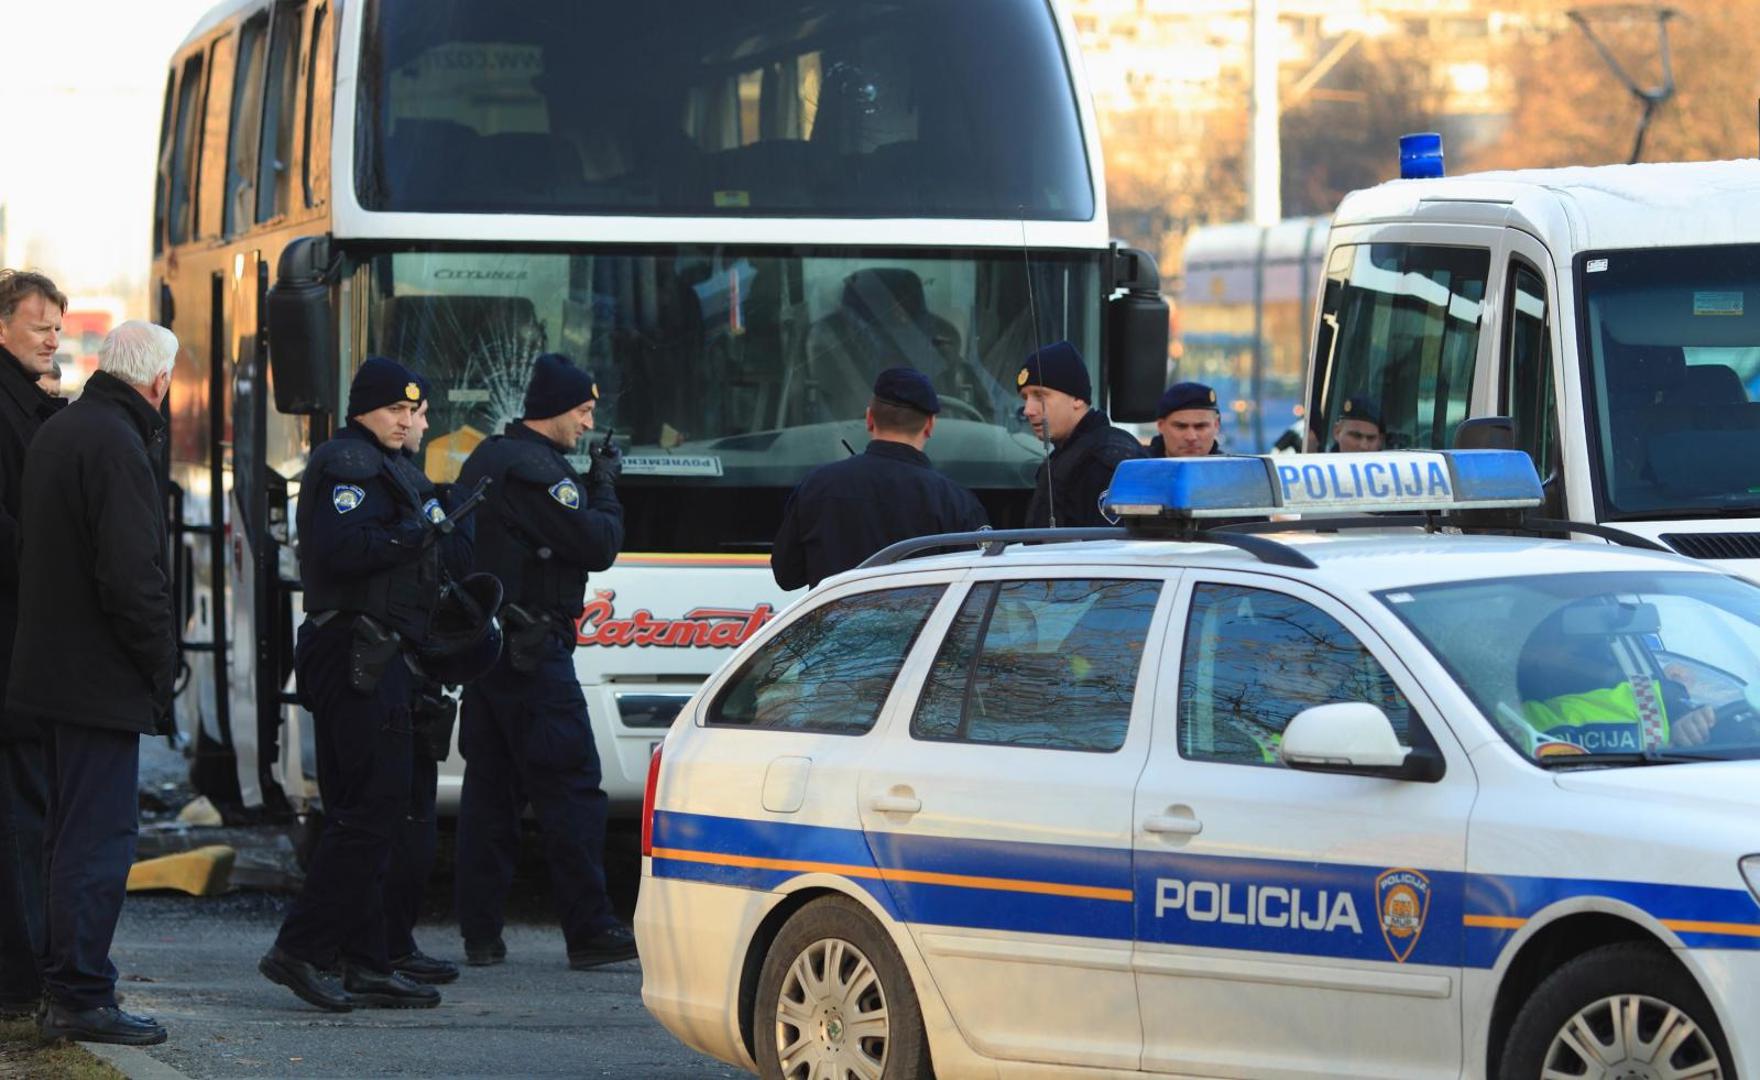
(96, 670)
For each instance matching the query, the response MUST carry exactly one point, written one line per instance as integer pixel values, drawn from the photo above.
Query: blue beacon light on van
(1420, 156)
(1394, 480)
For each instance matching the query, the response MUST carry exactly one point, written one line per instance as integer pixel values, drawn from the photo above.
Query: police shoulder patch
(433, 511)
(566, 493)
(346, 497)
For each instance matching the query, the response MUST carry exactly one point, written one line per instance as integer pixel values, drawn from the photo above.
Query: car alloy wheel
(831, 1016)
(1631, 1037)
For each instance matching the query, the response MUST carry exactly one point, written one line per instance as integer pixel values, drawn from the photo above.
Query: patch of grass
(23, 1054)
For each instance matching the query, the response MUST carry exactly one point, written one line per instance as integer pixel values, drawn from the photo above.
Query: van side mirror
(302, 329)
(1353, 737)
(1486, 433)
(1136, 336)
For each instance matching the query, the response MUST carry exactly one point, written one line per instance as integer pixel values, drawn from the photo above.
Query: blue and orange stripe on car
(1110, 893)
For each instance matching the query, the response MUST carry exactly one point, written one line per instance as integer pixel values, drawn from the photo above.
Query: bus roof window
(911, 108)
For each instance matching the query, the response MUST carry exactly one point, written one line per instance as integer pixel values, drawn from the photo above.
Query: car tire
(1630, 997)
(803, 1023)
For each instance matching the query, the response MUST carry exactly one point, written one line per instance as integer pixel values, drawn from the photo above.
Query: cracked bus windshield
(1674, 368)
(727, 375)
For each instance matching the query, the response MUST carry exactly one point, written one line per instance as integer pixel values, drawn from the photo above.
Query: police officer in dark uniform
(1186, 422)
(1086, 448)
(432, 715)
(1359, 429)
(371, 574)
(846, 511)
(524, 730)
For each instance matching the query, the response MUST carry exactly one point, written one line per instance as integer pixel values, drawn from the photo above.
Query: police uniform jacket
(543, 527)
(1080, 470)
(438, 500)
(100, 649)
(846, 511)
(363, 533)
(23, 408)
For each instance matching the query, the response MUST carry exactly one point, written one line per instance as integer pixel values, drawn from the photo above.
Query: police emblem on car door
(1402, 897)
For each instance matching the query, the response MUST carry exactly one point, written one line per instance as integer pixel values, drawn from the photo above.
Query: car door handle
(896, 803)
(1179, 826)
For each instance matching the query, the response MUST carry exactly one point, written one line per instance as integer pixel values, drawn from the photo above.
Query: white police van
(1613, 313)
(1227, 803)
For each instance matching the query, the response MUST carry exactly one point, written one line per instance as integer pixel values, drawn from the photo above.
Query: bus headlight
(1751, 871)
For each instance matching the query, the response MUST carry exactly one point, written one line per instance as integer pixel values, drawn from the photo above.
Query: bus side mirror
(1136, 337)
(302, 329)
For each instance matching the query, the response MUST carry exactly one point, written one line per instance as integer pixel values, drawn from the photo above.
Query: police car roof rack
(1466, 521)
(993, 541)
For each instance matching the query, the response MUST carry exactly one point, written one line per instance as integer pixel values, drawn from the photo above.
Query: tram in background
(1246, 317)
(735, 212)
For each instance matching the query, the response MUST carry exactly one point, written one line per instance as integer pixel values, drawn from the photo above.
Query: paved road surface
(192, 963)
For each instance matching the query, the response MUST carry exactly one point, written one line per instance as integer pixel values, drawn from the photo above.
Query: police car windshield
(728, 374)
(1674, 371)
(725, 108)
(1602, 668)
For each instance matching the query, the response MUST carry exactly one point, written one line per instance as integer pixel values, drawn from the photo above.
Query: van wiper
(1644, 757)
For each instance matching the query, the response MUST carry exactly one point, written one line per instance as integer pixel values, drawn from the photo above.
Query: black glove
(607, 463)
(412, 534)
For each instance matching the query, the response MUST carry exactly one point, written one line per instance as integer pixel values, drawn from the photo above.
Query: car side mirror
(1353, 737)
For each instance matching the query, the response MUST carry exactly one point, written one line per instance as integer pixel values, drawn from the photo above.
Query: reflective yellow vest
(1600, 721)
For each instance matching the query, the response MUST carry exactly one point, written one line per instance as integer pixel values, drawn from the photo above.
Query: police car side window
(1046, 664)
(1253, 659)
(830, 670)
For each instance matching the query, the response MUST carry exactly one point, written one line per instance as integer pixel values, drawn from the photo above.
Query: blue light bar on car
(1394, 480)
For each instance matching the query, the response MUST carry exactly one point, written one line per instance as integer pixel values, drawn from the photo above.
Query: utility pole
(1265, 196)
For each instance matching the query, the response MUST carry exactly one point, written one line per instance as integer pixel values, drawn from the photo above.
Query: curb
(133, 1062)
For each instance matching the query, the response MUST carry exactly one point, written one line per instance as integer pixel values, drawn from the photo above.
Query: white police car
(1298, 805)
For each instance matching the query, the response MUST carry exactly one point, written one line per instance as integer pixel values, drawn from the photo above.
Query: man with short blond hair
(30, 326)
(95, 671)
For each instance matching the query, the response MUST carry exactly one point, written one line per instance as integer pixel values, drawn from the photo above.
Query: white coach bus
(736, 212)
(1612, 313)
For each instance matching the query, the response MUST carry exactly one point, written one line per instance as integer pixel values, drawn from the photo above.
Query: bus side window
(183, 152)
(320, 99)
(247, 123)
(1400, 331)
(162, 178)
(1529, 396)
(275, 166)
(211, 181)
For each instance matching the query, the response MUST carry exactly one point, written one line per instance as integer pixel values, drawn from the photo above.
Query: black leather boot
(386, 990)
(419, 967)
(108, 1024)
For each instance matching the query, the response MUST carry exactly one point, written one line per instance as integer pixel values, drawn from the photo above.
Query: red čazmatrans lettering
(704, 627)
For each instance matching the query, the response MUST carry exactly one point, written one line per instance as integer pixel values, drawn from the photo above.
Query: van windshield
(1673, 366)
